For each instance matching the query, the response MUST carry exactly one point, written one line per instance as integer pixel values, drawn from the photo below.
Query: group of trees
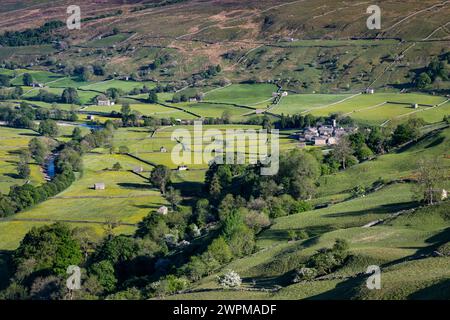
(25, 117)
(82, 72)
(367, 142)
(67, 161)
(436, 69)
(42, 35)
(129, 118)
(210, 72)
(10, 93)
(323, 262)
(69, 96)
(297, 176)
(27, 195)
(4, 80)
(242, 202)
(159, 61)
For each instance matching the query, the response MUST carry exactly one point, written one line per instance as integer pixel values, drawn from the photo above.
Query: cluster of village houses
(323, 135)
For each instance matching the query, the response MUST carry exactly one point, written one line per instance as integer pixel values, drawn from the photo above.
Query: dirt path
(414, 43)
(240, 18)
(416, 13)
(331, 104)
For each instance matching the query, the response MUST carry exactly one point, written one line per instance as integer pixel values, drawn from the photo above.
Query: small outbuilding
(163, 150)
(99, 186)
(163, 210)
(138, 169)
(320, 141)
(444, 195)
(182, 168)
(104, 101)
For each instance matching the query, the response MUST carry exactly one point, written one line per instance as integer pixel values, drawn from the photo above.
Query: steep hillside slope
(257, 40)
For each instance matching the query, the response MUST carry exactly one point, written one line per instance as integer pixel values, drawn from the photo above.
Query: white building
(332, 141)
(163, 210)
(99, 186)
(138, 169)
(320, 141)
(104, 101)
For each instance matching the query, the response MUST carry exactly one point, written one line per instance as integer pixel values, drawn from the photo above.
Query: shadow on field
(134, 186)
(430, 137)
(5, 268)
(12, 175)
(437, 291)
(435, 143)
(388, 208)
(344, 290)
(267, 282)
(153, 206)
(29, 134)
(189, 188)
(313, 232)
(423, 252)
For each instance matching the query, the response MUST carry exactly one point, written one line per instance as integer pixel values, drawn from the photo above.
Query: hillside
(111, 138)
(332, 49)
(402, 245)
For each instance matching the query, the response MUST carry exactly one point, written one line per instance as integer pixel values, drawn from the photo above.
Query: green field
(242, 94)
(119, 84)
(143, 108)
(209, 110)
(297, 103)
(42, 77)
(11, 142)
(396, 245)
(388, 167)
(358, 103)
(84, 96)
(128, 198)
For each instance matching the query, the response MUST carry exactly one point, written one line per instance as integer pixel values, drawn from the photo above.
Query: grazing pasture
(126, 86)
(12, 141)
(242, 94)
(209, 110)
(297, 103)
(128, 197)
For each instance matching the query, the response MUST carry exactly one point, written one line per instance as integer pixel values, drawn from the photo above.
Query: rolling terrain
(321, 46)
(293, 65)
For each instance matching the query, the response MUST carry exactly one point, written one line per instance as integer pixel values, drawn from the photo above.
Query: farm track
(241, 18)
(365, 109)
(416, 13)
(331, 104)
(402, 53)
(414, 112)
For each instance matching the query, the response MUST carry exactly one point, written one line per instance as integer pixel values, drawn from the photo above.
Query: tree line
(43, 35)
(68, 161)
